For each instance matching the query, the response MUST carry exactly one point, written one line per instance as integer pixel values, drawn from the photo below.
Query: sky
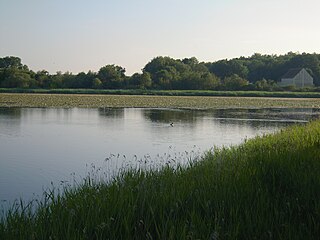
(83, 35)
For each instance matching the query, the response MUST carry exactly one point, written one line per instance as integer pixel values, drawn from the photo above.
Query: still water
(41, 146)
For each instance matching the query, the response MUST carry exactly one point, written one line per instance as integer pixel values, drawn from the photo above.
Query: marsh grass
(265, 188)
(287, 94)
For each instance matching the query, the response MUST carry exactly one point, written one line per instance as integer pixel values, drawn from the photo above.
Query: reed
(302, 93)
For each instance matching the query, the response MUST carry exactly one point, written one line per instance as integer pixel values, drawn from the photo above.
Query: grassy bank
(266, 188)
(142, 101)
(296, 94)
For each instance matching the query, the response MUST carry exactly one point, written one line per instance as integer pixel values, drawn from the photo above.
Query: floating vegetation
(141, 101)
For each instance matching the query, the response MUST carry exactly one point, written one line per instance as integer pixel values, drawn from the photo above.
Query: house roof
(292, 72)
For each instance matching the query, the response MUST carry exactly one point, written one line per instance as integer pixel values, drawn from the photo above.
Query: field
(147, 101)
(266, 188)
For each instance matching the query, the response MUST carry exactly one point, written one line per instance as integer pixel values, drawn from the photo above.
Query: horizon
(77, 36)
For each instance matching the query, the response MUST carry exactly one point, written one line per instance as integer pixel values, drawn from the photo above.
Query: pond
(44, 146)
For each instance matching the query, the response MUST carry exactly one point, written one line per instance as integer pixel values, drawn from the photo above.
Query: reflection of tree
(305, 114)
(10, 121)
(10, 113)
(270, 114)
(111, 112)
(254, 124)
(240, 113)
(262, 118)
(248, 117)
(191, 116)
(169, 115)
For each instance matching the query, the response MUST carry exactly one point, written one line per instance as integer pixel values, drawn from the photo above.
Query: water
(40, 146)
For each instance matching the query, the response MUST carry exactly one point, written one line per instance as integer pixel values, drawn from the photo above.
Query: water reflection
(276, 114)
(12, 113)
(42, 145)
(172, 116)
(10, 120)
(111, 112)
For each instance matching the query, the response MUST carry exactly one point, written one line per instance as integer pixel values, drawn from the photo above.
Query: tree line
(257, 72)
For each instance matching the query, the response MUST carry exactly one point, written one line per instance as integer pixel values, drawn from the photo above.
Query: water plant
(266, 188)
(148, 101)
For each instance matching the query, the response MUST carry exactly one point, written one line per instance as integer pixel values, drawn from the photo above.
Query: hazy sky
(82, 35)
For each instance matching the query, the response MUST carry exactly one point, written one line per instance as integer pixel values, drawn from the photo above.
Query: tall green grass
(286, 94)
(265, 188)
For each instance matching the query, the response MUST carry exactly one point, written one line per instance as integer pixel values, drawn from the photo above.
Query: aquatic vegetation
(265, 188)
(148, 101)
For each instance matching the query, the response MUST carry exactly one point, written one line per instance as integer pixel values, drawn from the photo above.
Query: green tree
(13, 77)
(96, 83)
(226, 68)
(14, 74)
(142, 81)
(68, 80)
(199, 81)
(57, 80)
(84, 80)
(235, 82)
(265, 85)
(166, 78)
(112, 76)
(193, 61)
(166, 72)
(209, 81)
(9, 62)
(43, 79)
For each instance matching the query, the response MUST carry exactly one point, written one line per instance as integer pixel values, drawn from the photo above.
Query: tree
(16, 78)
(84, 80)
(14, 74)
(190, 61)
(112, 76)
(8, 62)
(57, 80)
(145, 80)
(159, 63)
(234, 82)
(166, 78)
(43, 79)
(68, 80)
(265, 85)
(142, 81)
(209, 81)
(199, 81)
(166, 72)
(226, 68)
(96, 83)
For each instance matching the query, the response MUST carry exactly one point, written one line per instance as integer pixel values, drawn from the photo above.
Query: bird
(171, 124)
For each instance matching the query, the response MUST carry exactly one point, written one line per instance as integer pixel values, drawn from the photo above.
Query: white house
(297, 77)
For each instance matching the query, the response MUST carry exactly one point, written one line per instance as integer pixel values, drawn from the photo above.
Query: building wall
(302, 79)
(286, 82)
